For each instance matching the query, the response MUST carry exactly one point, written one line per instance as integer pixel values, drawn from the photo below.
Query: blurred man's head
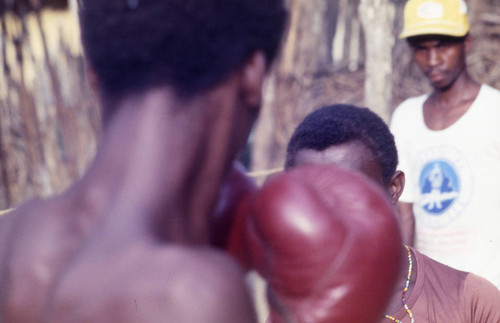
(190, 45)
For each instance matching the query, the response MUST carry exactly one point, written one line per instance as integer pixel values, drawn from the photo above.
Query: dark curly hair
(338, 124)
(191, 45)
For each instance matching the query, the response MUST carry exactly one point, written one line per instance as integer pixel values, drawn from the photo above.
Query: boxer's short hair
(338, 124)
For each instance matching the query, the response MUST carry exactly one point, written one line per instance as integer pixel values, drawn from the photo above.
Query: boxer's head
(350, 137)
(190, 45)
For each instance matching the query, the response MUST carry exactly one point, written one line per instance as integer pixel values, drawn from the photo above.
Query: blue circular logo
(439, 187)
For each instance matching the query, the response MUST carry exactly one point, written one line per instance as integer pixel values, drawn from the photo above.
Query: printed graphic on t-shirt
(439, 187)
(444, 186)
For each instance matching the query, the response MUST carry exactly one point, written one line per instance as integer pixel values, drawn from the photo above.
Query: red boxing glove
(236, 187)
(327, 242)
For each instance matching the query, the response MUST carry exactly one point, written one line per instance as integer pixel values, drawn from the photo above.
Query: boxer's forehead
(353, 155)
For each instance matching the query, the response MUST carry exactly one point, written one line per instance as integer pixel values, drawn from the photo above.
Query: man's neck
(154, 170)
(463, 88)
(446, 106)
(396, 303)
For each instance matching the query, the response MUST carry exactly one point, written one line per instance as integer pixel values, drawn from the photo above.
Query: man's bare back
(171, 282)
(129, 241)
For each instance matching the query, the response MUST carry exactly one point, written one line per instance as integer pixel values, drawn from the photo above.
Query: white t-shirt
(453, 181)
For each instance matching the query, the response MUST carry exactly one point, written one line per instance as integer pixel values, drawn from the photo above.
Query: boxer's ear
(468, 42)
(253, 75)
(396, 185)
(92, 80)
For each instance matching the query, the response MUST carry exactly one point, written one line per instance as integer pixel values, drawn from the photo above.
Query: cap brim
(433, 31)
(435, 28)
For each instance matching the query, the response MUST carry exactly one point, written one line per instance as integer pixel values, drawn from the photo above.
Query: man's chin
(441, 85)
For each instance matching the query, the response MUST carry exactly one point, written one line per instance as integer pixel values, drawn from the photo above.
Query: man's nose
(433, 57)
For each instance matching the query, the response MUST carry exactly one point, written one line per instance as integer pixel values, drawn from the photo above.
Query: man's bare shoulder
(203, 283)
(36, 224)
(180, 284)
(193, 285)
(12, 224)
(36, 238)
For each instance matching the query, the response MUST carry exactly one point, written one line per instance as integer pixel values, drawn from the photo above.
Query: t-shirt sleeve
(481, 299)
(397, 129)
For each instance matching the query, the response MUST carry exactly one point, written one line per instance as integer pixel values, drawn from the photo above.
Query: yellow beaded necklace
(403, 297)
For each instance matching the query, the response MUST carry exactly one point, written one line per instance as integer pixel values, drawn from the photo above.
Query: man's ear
(253, 75)
(396, 185)
(93, 81)
(468, 42)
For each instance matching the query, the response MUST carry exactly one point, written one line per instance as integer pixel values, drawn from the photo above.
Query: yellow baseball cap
(435, 17)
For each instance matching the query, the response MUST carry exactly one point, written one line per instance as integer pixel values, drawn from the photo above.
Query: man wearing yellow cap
(449, 145)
